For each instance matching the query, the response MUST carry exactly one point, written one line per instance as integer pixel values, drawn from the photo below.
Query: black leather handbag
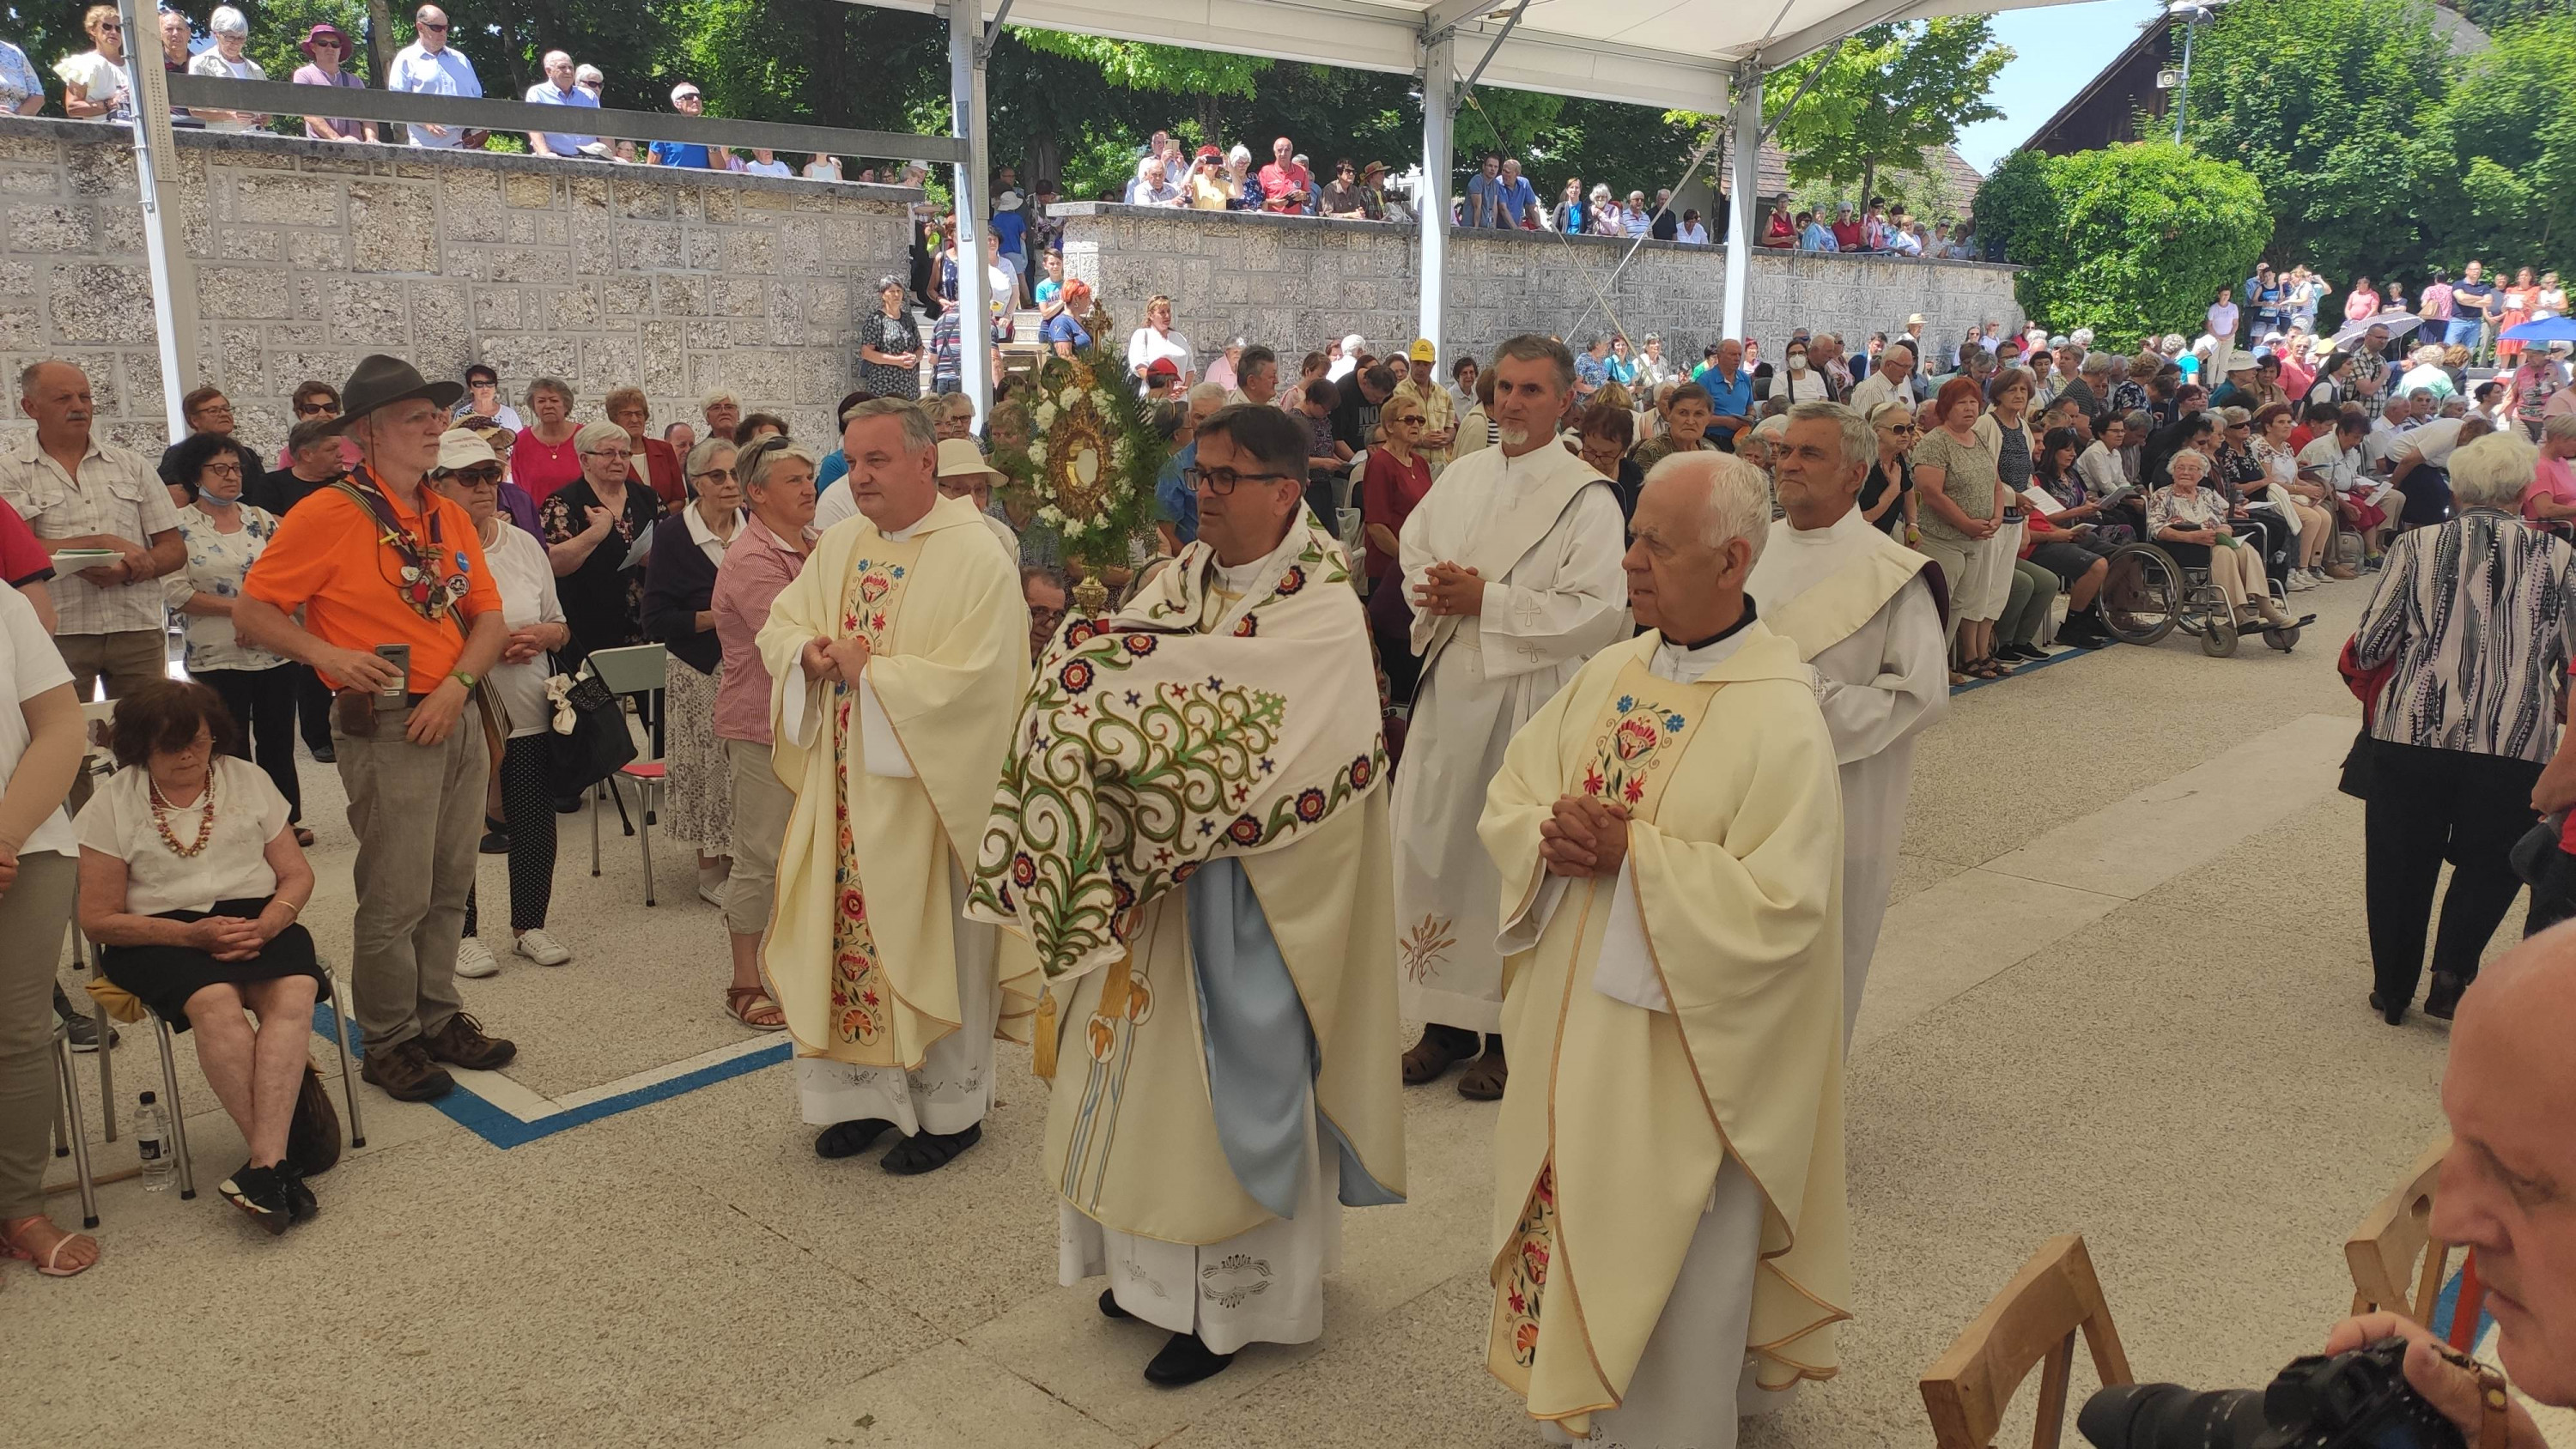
(599, 743)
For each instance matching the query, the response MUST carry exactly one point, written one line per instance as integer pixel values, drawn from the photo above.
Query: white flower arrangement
(1051, 515)
(1037, 452)
(1045, 416)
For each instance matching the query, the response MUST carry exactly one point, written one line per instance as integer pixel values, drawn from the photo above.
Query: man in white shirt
(426, 67)
(2419, 467)
(78, 492)
(560, 88)
(1888, 384)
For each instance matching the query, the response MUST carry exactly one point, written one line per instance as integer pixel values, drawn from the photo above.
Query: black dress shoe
(1109, 1305)
(1185, 1360)
(2379, 1004)
(2443, 997)
(325, 754)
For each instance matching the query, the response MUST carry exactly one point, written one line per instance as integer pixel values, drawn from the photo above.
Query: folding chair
(639, 669)
(2383, 1252)
(2034, 1318)
(71, 1126)
(133, 1010)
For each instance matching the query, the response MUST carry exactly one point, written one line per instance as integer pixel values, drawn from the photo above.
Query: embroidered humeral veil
(861, 952)
(1620, 1115)
(1200, 725)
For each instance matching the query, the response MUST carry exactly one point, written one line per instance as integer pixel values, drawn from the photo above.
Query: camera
(2354, 1400)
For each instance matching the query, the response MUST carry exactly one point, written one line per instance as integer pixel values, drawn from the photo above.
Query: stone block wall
(1292, 282)
(310, 254)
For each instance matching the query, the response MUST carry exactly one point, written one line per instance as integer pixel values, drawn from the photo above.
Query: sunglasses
(435, 28)
(325, 43)
(110, 27)
(485, 476)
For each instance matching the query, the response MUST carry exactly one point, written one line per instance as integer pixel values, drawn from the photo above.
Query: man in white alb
(1511, 563)
(1866, 615)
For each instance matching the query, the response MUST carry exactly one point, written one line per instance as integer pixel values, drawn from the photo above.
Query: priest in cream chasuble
(1512, 560)
(898, 657)
(1191, 831)
(1669, 1222)
(1867, 612)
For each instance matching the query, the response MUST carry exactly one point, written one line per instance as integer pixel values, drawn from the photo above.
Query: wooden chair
(2383, 1252)
(2034, 1319)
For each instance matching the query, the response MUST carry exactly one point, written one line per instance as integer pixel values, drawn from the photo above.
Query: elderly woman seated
(191, 880)
(2190, 523)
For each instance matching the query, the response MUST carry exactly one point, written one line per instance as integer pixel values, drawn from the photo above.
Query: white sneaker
(711, 886)
(474, 959)
(2301, 580)
(543, 949)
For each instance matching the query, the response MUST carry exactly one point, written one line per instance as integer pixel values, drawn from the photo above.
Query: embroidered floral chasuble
(1188, 727)
(1616, 1123)
(861, 951)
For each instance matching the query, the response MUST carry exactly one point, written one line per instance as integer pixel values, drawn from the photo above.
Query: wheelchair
(2147, 596)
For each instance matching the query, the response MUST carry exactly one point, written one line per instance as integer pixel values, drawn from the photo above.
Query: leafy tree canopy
(1885, 96)
(2129, 240)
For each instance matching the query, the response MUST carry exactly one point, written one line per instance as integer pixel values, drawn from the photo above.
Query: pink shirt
(2553, 478)
(755, 568)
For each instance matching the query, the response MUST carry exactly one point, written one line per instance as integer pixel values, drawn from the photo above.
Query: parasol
(2398, 324)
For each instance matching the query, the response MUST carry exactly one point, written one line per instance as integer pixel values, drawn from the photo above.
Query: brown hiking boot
(461, 1042)
(406, 1073)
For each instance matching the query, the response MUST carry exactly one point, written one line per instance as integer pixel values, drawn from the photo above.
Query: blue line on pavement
(504, 1131)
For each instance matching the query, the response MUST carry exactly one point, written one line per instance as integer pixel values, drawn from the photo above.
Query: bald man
(2508, 1189)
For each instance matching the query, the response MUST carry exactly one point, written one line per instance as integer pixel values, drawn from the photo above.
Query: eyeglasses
(687, 96)
(224, 470)
(110, 27)
(1900, 428)
(1222, 481)
(325, 43)
(484, 476)
(437, 27)
(316, 409)
(724, 473)
(1407, 418)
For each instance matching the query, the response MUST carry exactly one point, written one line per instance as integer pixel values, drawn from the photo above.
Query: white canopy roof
(1675, 54)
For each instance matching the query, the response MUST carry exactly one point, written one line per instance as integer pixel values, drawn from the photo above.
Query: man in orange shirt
(382, 560)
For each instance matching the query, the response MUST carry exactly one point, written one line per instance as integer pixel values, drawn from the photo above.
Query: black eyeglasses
(1222, 481)
(437, 27)
(315, 409)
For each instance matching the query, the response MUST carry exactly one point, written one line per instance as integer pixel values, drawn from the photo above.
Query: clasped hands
(1449, 588)
(229, 938)
(840, 661)
(1583, 837)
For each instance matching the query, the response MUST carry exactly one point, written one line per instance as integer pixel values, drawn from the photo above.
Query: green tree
(2507, 134)
(2329, 104)
(1886, 95)
(2129, 240)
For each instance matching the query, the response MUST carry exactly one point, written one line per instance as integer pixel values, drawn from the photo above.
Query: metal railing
(219, 93)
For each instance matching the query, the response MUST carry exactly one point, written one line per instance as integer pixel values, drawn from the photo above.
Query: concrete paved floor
(2120, 993)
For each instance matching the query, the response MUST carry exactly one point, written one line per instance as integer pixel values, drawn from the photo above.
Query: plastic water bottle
(152, 1144)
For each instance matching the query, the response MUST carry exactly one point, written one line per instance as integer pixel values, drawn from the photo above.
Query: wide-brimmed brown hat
(382, 381)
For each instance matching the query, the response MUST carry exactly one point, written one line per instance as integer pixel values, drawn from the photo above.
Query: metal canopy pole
(1744, 115)
(156, 157)
(966, 52)
(1439, 127)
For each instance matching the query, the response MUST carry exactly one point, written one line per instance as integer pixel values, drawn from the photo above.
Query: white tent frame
(1722, 51)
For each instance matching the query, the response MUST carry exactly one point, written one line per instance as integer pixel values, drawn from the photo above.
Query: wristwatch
(463, 678)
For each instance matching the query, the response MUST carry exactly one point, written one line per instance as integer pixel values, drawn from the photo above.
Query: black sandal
(849, 1139)
(1186, 1359)
(930, 1151)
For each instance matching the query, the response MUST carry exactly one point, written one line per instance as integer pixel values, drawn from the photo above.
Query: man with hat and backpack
(402, 619)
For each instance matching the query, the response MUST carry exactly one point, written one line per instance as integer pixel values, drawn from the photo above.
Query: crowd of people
(1874, 230)
(880, 713)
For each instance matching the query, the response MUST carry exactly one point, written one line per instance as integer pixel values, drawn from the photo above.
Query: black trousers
(312, 708)
(2553, 896)
(262, 703)
(527, 805)
(2427, 806)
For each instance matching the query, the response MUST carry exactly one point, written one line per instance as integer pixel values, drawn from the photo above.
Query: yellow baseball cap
(1423, 351)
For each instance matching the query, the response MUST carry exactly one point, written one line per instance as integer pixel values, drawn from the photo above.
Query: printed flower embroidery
(1518, 1293)
(1423, 948)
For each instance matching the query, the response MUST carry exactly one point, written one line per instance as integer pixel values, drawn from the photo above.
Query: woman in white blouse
(1156, 341)
(823, 168)
(192, 883)
(225, 536)
(469, 472)
(40, 753)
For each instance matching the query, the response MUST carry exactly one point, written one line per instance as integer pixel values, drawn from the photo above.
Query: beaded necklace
(162, 809)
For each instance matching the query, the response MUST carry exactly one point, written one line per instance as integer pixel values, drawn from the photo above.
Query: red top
(1278, 180)
(1388, 491)
(663, 468)
(1849, 236)
(23, 560)
(541, 469)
